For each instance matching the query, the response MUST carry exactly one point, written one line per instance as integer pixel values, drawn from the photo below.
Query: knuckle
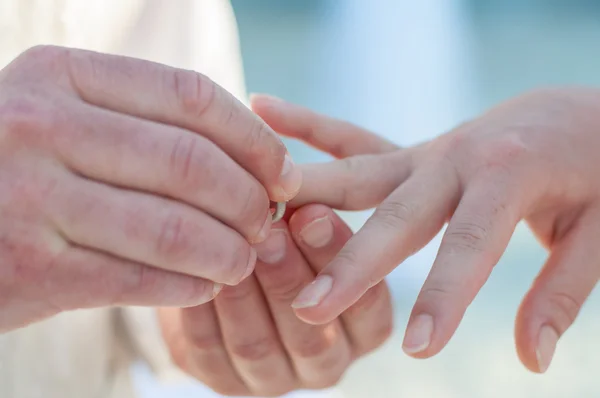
(194, 94)
(396, 214)
(502, 152)
(174, 242)
(565, 307)
(313, 345)
(20, 117)
(187, 156)
(347, 197)
(255, 350)
(206, 342)
(468, 236)
(41, 54)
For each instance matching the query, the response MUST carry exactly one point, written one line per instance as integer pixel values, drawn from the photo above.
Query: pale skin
(124, 182)
(534, 158)
(249, 342)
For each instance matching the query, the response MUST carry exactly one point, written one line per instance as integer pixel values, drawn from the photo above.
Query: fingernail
(217, 289)
(268, 97)
(546, 345)
(314, 293)
(272, 250)
(418, 334)
(290, 178)
(264, 232)
(251, 263)
(318, 233)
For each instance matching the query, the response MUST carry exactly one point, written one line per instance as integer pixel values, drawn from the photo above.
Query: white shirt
(88, 353)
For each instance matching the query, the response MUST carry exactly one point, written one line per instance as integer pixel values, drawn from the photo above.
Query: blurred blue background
(411, 70)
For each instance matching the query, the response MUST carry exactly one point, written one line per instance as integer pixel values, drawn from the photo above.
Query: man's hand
(124, 182)
(249, 342)
(533, 158)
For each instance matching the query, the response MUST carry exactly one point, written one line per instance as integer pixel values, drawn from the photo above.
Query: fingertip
(290, 179)
(535, 338)
(419, 333)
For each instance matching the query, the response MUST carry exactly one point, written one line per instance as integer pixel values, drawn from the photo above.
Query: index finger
(189, 100)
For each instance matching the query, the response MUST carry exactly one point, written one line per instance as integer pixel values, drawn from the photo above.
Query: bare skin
(124, 182)
(534, 158)
(249, 341)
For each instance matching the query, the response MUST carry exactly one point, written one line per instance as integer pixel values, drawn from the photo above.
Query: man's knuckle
(194, 93)
(20, 117)
(255, 350)
(188, 160)
(206, 342)
(41, 54)
(313, 345)
(174, 240)
(501, 153)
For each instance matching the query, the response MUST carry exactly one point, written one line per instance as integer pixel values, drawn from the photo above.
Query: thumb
(557, 295)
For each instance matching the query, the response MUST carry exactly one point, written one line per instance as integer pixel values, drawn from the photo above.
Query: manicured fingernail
(290, 178)
(314, 293)
(272, 250)
(418, 334)
(318, 233)
(546, 345)
(217, 289)
(251, 263)
(264, 232)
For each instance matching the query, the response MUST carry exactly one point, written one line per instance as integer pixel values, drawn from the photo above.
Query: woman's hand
(534, 158)
(248, 341)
